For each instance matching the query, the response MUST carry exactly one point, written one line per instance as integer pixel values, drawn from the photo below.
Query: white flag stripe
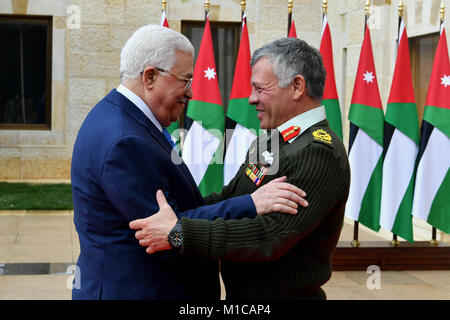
(398, 168)
(324, 24)
(237, 149)
(163, 17)
(433, 167)
(198, 151)
(363, 158)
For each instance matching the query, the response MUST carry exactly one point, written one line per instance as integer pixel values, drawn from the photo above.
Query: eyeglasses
(188, 81)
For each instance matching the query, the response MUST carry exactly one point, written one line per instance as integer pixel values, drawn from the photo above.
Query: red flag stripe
(243, 72)
(366, 85)
(402, 90)
(205, 86)
(439, 87)
(330, 91)
(292, 31)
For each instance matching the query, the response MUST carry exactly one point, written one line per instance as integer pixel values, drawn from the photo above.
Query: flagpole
(290, 6)
(243, 4)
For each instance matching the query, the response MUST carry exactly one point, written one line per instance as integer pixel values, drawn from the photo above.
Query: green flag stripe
(173, 126)
(369, 119)
(369, 214)
(438, 117)
(213, 179)
(210, 115)
(403, 220)
(333, 111)
(404, 117)
(243, 113)
(439, 216)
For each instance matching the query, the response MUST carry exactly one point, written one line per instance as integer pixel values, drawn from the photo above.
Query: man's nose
(253, 99)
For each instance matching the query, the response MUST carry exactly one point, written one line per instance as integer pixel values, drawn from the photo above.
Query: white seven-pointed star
(368, 77)
(445, 80)
(209, 73)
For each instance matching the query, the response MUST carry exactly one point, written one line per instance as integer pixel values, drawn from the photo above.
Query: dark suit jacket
(120, 159)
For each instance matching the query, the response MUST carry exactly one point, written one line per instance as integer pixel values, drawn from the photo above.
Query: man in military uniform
(275, 256)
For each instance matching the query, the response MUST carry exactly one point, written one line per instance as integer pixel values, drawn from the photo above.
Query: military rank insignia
(290, 133)
(322, 135)
(256, 172)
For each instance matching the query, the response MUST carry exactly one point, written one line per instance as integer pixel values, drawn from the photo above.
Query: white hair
(151, 45)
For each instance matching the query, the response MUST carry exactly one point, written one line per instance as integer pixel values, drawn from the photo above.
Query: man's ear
(148, 77)
(299, 86)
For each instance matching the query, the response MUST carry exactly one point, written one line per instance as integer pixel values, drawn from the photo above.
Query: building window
(25, 71)
(422, 49)
(225, 37)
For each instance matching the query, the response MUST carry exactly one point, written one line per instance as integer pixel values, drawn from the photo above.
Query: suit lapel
(127, 106)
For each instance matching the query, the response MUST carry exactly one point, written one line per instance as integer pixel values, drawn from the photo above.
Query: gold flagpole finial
(290, 6)
(367, 8)
(400, 8)
(442, 11)
(324, 6)
(243, 4)
(206, 5)
(164, 4)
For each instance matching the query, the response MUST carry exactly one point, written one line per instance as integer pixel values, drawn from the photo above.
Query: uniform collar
(303, 122)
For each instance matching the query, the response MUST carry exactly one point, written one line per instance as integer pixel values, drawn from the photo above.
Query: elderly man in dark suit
(122, 156)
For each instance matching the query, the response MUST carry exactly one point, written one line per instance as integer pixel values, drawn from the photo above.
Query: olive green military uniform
(280, 256)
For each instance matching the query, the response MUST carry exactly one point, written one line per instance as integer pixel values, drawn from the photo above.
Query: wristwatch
(175, 236)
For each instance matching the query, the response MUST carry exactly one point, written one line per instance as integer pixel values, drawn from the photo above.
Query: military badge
(290, 133)
(268, 157)
(256, 172)
(322, 135)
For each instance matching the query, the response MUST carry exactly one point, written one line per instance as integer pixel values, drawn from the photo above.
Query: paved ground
(44, 242)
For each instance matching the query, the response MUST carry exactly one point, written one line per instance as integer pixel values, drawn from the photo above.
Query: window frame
(48, 73)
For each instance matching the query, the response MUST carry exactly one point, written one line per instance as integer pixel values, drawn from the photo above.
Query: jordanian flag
(292, 32)
(432, 188)
(203, 146)
(401, 144)
(330, 95)
(241, 116)
(366, 143)
(174, 125)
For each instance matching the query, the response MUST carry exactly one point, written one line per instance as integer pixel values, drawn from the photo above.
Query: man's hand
(154, 230)
(278, 196)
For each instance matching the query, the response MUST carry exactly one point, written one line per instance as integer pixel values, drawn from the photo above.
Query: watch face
(176, 239)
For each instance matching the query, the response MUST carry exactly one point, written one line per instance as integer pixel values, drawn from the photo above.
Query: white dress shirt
(138, 102)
